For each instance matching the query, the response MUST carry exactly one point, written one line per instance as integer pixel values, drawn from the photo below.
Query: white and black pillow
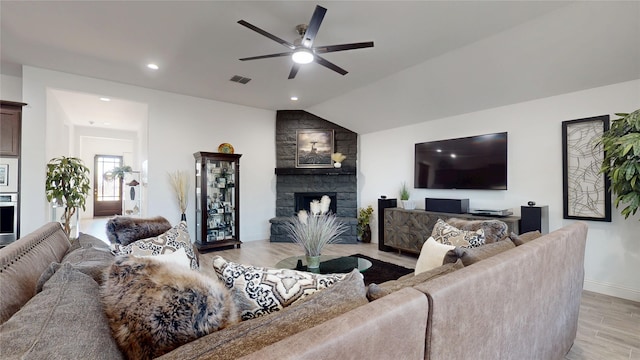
(258, 291)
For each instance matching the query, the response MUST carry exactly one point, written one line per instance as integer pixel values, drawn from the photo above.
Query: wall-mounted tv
(475, 162)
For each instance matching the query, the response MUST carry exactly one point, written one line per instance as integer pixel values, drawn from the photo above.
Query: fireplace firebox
(303, 200)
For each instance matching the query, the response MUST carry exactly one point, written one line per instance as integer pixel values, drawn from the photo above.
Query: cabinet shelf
(217, 200)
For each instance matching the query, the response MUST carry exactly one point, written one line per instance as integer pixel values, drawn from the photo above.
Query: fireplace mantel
(323, 171)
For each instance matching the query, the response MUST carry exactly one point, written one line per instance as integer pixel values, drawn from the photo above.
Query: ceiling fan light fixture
(302, 56)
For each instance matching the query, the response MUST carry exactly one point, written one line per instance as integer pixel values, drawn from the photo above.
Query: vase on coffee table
(313, 263)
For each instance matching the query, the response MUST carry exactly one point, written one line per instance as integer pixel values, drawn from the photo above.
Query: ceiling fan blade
(314, 26)
(342, 47)
(264, 33)
(294, 70)
(267, 56)
(324, 62)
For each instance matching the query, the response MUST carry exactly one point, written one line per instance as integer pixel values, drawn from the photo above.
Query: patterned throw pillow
(258, 291)
(172, 240)
(450, 235)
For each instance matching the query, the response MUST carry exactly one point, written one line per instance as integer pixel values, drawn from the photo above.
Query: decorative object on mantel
(312, 233)
(404, 196)
(621, 143)
(67, 186)
(314, 148)
(338, 158)
(180, 184)
(364, 219)
(225, 148)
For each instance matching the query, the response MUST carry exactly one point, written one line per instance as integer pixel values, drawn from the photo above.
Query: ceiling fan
(302, 49)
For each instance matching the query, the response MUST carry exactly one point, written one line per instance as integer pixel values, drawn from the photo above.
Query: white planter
(408, 204)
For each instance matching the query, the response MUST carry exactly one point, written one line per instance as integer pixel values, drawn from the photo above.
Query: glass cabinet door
(220, 200)
(217, 200)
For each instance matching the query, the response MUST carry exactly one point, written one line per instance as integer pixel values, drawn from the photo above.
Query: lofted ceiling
(197, 44)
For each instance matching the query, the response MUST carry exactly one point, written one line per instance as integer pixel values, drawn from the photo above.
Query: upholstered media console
(407, 230)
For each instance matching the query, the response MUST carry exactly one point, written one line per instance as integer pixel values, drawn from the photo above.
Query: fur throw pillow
(154, 307)
(125, 230)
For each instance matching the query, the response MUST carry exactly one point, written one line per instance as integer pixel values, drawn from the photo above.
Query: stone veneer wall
(291, 180)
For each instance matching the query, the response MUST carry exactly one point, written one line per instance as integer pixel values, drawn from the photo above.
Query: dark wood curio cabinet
(217, 200)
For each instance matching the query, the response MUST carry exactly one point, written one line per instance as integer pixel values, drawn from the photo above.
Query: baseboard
(612, 290)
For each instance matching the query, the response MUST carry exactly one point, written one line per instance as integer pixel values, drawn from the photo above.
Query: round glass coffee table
(329, 264)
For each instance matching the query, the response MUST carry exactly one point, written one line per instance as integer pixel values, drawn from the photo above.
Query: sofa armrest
(23, 261)
(392, 327)
(520, 304)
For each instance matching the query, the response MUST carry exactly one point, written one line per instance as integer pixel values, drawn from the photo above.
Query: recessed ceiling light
(105, 99)
(153, 66)
(294, 98)
(107, 123)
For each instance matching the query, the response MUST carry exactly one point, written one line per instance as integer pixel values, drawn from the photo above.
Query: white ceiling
(197, 43)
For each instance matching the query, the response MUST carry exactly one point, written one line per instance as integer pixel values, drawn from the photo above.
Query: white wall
(535, 172)
(10, 88)
(178, 126)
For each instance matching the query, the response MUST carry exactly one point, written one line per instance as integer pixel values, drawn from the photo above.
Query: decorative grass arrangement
(338, 157)
(180, 184)
(313, 232)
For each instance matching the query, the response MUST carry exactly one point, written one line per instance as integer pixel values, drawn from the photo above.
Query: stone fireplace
(296, 187)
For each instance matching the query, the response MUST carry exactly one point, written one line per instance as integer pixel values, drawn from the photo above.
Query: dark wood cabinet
(217, 200)
(10, 128)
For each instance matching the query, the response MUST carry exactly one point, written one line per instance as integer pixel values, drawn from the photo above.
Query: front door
(107, 193)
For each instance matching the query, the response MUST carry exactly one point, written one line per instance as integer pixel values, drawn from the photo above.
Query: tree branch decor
(180, 183)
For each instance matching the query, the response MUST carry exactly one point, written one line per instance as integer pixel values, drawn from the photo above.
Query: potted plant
(621, 163)
(312, 233)
(180, 184)
(364, 219)
(404, 197)
(67, 185)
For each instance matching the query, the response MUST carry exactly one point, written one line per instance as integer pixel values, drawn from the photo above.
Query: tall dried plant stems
(180, 182)
(313, 232)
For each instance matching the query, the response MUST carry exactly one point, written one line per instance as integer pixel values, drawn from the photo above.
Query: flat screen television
(475, 162)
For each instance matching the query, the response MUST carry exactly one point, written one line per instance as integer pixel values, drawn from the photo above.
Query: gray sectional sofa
(521, 303)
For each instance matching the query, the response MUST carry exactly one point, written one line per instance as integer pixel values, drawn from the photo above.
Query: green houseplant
(621, 163)
(67, 185)
(364, 219)
(404, 197)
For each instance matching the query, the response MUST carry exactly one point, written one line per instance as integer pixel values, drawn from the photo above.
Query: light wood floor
(608, 327)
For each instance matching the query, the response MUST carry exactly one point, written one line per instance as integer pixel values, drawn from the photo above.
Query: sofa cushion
(473, 255)
(431, 255)
(22, 262)
(524, 238)
(494, 230)
(375, 291)
(154, 307)
(168, 242)
(258, 290)
(450, 235)
(64, 321)
(252, 335)
(124, 230)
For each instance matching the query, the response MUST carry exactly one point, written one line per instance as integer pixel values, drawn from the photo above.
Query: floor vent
(240, 79)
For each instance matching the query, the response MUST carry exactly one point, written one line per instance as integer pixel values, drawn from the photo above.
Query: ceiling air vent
(240, 79)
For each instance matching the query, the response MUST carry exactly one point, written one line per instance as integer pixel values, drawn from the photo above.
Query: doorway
(107, 188)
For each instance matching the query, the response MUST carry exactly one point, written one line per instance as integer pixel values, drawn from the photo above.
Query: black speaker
(453, 206)
(534, 218)
(384, 204)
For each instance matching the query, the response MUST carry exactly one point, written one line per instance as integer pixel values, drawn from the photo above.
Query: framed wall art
(585, 190)
(314, 148)
(4, 174)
